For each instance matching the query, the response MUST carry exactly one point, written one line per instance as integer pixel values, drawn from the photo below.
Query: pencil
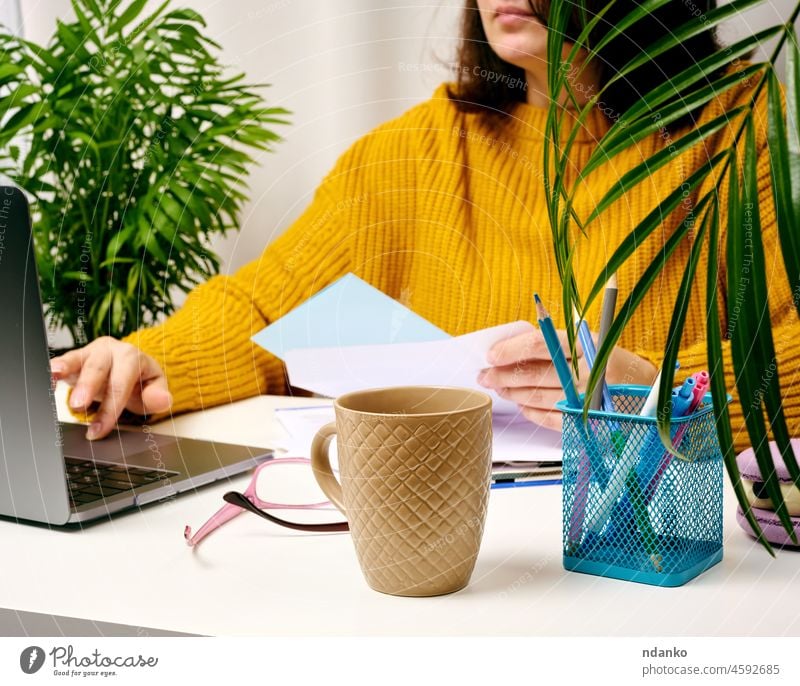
(557, 354)
(585, 465)
(606, 319)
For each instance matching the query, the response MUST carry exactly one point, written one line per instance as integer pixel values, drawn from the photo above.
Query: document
(514, 437)
(453, 361)
(350, 336)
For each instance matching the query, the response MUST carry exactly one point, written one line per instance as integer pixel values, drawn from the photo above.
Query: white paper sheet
(449, 362)
(514, 437)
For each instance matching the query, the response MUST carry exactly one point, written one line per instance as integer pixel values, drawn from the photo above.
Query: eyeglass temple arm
(223, 515)
(240, 501)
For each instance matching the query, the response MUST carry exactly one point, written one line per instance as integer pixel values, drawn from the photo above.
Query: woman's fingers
(540, 399)
(527, 373)
(120, 379)
(66, 367)
(523, 373)
(95, 366)
(530, 397)
(151, 397)
(530, 373)
(550, 419)
(116, 373)
(527, 346)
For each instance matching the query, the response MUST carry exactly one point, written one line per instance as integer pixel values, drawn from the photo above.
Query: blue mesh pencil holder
(631, 510)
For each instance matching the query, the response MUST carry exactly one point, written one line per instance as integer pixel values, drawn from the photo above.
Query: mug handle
(321, 464)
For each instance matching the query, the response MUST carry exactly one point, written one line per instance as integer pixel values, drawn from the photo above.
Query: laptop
(49, 472)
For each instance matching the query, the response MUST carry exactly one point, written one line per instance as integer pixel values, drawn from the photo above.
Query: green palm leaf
(133, 10)
(697, 73)
(645, 169)
(628, 308)
(716, 372)
(664, 412)
(691, 28)
(784, 147)
(752, 345)
(615, 142)
(651, 222)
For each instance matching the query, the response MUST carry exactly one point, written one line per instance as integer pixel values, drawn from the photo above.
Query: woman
(444, 207)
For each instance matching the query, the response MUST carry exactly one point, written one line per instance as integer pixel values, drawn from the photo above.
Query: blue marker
(682, 397)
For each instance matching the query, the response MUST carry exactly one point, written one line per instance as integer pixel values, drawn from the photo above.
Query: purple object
(770, 525)
(766, 518)
(749, 467)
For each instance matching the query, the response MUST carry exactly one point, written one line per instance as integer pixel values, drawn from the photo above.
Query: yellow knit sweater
(441, 211)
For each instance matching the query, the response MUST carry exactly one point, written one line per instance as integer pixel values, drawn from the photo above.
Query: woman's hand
(117, 374)
(523, 373)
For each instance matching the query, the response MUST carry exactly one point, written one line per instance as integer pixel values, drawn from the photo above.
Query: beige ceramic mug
(415, 468)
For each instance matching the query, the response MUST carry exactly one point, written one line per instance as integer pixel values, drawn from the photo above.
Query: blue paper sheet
(348, 312)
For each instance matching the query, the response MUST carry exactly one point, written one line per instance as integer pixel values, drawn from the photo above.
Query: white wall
(341, 67)
(9, 14)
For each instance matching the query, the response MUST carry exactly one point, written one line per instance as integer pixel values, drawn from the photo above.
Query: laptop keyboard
(89, 481)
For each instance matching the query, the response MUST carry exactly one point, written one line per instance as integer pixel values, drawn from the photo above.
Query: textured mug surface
(415, 466)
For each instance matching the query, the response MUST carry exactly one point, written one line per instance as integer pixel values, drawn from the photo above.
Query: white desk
(253, 578)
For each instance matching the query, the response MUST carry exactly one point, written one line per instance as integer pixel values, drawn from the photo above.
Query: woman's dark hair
(506, 86)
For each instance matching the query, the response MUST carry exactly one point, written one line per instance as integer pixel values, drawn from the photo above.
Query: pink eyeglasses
(257, 498)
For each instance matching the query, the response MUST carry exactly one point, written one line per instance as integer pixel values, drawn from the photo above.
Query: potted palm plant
(732, 172)
(132, 141)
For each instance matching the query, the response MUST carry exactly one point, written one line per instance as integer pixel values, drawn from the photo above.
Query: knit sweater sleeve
(783, 316)
(205, 349)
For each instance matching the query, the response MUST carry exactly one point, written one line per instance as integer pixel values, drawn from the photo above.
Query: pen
(524, 483)
(701, 388)
(683, 397)
(590, 353)
(651, 401)
(606, 319)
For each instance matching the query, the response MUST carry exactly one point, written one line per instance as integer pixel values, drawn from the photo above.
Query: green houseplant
(132, 141)
(752, 345)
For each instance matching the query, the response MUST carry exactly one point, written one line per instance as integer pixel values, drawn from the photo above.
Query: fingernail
(482, 379)
(77, 398)
(93, 431)
(57, 368)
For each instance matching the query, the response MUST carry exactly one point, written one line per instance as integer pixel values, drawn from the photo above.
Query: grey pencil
(606, 319)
